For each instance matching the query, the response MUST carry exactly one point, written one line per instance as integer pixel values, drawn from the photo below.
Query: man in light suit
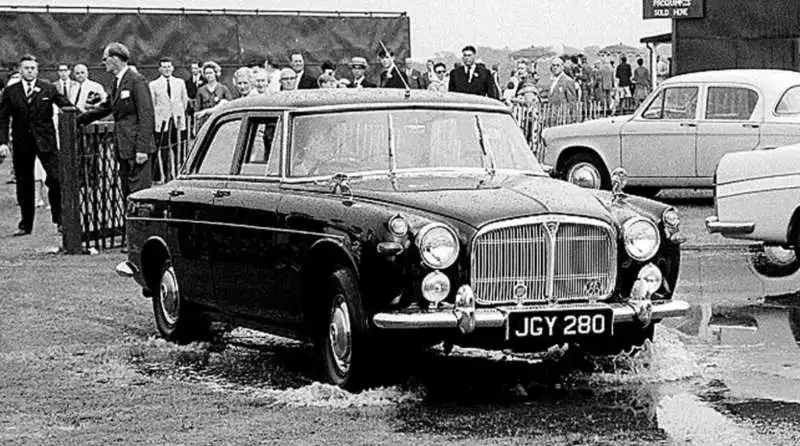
(85, 92)
(132, 107)
(472, 78)
(27, 107)
(563, 95)
(170, 102)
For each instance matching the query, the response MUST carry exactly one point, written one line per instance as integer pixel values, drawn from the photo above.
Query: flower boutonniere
(37, 89)
(216, 98)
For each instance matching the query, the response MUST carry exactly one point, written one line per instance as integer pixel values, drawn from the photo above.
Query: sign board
(673, 9)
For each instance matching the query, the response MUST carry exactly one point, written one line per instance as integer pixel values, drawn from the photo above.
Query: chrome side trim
(237, 226)
(496, 317)
(714, 226)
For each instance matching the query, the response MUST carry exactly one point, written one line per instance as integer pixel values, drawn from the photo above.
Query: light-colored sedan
(757, 196)
(680, 132)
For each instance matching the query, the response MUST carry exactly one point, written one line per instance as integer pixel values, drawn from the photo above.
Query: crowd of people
(150, 116)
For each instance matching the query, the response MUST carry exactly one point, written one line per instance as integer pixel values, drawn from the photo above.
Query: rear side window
(218, 157)
(790, 102)
(731, 103)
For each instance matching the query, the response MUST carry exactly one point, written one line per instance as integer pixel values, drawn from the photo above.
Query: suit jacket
(31, 122)
(307, 81)
(415, 80)
(192, 86)
(365, 83)
(169, 106)
(564, 91)
(132, 107)
(481, 84)
(394, 80)
(60, 87)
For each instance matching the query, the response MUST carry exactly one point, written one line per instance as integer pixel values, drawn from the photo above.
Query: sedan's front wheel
(586, 170)
(175, 319)
(343, 341)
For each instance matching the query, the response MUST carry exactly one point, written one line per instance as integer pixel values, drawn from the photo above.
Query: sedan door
(658, 145)
(246, 260)
(191, 211)
(732, 119)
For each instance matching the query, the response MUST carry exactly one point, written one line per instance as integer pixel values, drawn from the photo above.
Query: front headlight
(641, 238)
(438, 245)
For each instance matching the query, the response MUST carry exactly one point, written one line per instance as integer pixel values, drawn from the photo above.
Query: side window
(790, 102)
(218, 157)
(262, 147)
(680, 103)
(732, 103)
(656, 107)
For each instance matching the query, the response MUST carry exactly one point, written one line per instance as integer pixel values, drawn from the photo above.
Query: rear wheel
(586, 170)
(177, 320)
(775, 261)
(343, 337)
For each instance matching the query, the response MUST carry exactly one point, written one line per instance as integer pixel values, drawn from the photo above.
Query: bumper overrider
(465, 317)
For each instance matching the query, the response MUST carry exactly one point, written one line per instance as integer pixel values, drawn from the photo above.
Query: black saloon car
(362, 220)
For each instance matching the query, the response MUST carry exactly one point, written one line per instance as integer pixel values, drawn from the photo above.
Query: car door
(732, 118)
(246, 261)
(658, 145)
(782, 121)
(191, 210)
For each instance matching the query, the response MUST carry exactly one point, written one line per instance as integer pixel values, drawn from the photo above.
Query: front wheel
(586, 170)
(343, 339)
(175, 319)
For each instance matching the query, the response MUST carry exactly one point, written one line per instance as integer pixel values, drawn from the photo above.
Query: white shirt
(120, 74)
(470, 71)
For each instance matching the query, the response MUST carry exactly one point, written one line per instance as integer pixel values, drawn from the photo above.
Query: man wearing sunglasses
(439, 81)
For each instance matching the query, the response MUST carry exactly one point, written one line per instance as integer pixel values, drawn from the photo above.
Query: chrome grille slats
(578, 263)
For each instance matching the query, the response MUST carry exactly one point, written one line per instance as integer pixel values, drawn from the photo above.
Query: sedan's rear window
(790, 102)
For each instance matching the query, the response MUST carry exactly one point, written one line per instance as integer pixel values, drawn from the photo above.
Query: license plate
(560, 324)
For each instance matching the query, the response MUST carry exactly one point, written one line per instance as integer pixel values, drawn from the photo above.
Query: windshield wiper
(490, 169)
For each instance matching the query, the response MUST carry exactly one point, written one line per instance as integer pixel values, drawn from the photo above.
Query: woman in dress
(212, 93)
(641, 78)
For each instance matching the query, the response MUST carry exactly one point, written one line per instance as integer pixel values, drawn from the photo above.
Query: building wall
(739, 34)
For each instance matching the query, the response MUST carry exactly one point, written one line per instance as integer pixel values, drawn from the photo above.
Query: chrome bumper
(126, 269)
(496, 317)
(714, 226)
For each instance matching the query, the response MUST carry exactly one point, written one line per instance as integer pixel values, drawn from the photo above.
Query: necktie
(78, 95)
(169, 92)
(64, 88)
(29, 91)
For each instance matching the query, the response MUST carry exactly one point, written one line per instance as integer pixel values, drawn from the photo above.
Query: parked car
(391, 220)
(680, 132)
(757, 197)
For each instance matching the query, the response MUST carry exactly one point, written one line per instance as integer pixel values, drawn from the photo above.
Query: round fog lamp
(435, 287)
(398, 226)
(651, 278)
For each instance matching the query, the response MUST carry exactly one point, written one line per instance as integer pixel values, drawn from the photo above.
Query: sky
(448, 25)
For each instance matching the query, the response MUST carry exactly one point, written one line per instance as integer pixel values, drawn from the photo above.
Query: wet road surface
(726, 374)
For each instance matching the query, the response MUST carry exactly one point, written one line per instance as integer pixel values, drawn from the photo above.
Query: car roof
(776, 78)
(300, 99)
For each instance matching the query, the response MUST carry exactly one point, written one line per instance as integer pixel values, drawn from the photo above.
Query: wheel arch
(569, 152)
(154, 253)
(793, 231)
(324, 257)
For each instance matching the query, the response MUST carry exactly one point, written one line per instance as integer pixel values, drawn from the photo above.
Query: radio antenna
(399, 73)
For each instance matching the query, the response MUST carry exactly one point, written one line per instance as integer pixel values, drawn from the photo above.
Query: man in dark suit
(29, 103)
(358, 66)
(472, 78)
(305, 80)
(391, 76)
(132, 106)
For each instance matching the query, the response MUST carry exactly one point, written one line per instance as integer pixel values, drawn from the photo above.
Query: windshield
(397, 140)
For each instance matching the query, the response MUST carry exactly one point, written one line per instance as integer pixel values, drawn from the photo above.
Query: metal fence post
(69, 160)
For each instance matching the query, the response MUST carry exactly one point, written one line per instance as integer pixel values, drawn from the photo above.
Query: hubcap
(340, 336)
(779, 256)
(585, 175)
(170, 296)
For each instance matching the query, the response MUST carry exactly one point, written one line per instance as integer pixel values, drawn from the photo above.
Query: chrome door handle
(688, 124)
(176, 193)
(750, 125)
(222, 193)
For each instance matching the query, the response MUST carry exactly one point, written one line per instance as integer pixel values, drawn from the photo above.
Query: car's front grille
(543, 259)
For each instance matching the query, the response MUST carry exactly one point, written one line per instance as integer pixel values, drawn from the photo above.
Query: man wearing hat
(358, 66)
